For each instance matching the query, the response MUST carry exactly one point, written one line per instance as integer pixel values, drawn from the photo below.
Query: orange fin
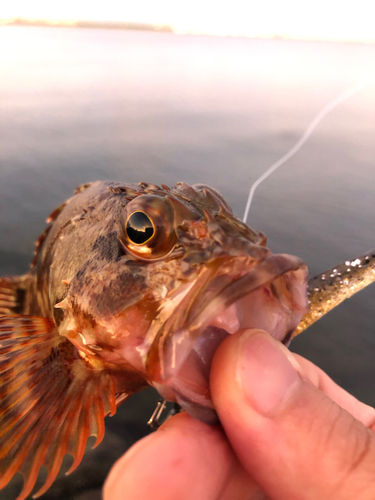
(12, 294)
(51, 401)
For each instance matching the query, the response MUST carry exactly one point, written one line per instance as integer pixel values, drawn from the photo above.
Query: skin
(288, 432)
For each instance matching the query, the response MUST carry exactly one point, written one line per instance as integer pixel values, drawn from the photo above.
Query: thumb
(292, 439)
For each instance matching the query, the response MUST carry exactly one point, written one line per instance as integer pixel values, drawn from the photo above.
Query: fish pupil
(139, 228)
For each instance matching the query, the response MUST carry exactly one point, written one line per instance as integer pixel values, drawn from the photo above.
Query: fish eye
(146, 229)
(139, 228)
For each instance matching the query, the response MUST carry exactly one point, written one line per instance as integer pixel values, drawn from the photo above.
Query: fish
(135, 285)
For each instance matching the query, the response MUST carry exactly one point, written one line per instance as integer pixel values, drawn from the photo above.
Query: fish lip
(165, 352)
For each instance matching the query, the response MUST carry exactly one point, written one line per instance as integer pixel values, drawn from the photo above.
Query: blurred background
(208, 92)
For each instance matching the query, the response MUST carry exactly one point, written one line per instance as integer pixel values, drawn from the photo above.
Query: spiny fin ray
(12, 294)
(60, 402)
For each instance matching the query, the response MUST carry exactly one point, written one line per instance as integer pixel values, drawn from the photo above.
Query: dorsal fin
(51, 401)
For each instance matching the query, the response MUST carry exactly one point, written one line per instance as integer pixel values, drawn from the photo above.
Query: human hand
(288, 432)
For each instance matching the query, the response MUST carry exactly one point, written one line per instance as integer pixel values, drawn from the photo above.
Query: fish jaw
(271, 296)
(278, 279)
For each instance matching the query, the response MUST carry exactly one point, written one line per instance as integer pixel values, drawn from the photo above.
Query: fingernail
(264, 372)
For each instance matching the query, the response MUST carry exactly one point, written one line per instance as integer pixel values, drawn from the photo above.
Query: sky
(318, 19)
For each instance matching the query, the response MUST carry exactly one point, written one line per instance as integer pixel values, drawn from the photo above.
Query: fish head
(189, 273)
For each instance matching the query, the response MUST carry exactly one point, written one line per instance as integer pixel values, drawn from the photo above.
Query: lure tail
(327, 290)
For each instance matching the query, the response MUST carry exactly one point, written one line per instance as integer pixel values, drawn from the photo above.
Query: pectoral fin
(12, 294)
(51, 401)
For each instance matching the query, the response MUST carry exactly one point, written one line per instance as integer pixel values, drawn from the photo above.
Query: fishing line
(310, 129)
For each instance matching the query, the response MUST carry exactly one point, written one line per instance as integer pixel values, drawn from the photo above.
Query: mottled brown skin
(82, 261)
(81, 243)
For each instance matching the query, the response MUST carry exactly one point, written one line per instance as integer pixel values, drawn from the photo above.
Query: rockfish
(136, 285)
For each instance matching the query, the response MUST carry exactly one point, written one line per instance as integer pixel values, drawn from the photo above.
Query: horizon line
(138, 26)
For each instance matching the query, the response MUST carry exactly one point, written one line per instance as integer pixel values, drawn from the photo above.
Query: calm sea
(80, 105)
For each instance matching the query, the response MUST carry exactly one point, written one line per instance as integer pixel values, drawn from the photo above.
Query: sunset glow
(318, 20)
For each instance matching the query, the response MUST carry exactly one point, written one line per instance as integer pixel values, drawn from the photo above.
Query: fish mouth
(232, 294)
